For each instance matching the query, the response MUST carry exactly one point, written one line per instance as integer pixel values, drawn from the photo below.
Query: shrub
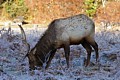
(14, 8)
(91, 7)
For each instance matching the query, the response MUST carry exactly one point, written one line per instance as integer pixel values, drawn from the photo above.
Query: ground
(12, 51)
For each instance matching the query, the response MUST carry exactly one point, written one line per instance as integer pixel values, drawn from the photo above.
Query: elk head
(30, 53)
(35, 56)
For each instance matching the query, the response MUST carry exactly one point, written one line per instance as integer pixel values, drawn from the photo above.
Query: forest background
(44, 11)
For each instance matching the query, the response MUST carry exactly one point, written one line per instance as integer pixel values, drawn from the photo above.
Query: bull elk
(62, 33)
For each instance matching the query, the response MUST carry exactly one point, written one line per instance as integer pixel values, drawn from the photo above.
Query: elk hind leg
(92, 42)
(88, 48)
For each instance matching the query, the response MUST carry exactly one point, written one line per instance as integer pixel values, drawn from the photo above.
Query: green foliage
(91, 7)
(14, 8)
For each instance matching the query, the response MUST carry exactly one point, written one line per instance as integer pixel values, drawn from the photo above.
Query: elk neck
(45, 44)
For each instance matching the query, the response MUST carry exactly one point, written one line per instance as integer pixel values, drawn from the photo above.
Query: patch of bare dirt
(111, 12)
(46, 10)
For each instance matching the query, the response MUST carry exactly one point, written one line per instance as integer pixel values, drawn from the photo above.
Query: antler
(24, 40)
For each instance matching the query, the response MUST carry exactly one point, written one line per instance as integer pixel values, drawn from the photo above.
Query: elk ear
(34, 51)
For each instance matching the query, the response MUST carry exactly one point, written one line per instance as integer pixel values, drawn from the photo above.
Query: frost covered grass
(12, 51)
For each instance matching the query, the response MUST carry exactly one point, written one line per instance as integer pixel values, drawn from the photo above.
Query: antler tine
(24, 40)
(23, 33)
(9, 30)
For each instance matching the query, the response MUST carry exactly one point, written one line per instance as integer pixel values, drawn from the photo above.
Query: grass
(12, 51)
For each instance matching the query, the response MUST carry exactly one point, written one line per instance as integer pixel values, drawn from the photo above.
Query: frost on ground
(13, 67)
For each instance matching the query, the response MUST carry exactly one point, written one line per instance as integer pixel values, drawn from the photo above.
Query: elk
(61, 33)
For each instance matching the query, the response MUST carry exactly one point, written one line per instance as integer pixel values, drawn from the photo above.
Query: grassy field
(12, 51)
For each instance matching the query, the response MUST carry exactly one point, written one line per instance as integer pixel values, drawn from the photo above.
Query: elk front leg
(52, 53)
(67, 53)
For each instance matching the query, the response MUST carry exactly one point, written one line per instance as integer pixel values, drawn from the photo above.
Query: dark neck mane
(46, 43)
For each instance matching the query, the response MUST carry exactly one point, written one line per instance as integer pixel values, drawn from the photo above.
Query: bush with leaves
(91, 6)
(14, 8)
